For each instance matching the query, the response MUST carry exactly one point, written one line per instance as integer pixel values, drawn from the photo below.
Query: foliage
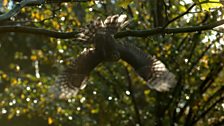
(115, 95)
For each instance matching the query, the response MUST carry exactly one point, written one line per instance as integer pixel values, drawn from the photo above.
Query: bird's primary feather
(74, 75)
(148, 67)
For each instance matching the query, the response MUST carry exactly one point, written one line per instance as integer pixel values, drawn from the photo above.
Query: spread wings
(149, 68)
(101, 33)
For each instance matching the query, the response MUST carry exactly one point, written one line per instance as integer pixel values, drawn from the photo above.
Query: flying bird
(107, 48)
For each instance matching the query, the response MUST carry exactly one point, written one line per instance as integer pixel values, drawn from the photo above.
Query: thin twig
(202, 87)
(18, 7)
(221, 99)
(160, 30)
(25, 3)
(130, 88)
(179, 16)
(199, 58)
(39, 31)
(216, 94)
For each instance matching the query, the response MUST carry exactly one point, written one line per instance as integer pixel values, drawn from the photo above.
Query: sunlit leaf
(14, 81)
(124, 3)
(94, 111)
(146, 92)
(208, 4)
(50, 120)
(4, 76)
(33, 57)
(11, 115)
(22, 96)
(59, 110)
(110, 98)
(5, 2)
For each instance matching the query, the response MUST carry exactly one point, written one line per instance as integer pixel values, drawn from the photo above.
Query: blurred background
(115, 94)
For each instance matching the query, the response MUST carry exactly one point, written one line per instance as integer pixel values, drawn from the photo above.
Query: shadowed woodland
(110, 46)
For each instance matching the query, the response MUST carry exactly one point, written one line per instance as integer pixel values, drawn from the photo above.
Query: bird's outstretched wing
(140, 61)
(153, 71)
(75, 74)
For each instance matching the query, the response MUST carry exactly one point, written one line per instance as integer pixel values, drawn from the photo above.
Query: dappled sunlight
(142, 63)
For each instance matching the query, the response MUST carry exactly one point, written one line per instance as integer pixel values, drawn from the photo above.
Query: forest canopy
(37, 42)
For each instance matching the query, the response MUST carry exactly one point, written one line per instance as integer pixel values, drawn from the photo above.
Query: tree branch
(133, 33)
(207, 110)
(17, 8)
(60, 1)
(24, 3)
(179, 16)
(39, 31)
(130, 88)
(146, 33)
(216, 94)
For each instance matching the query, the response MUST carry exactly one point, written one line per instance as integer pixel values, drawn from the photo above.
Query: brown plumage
(106, 48)
(79, 70)
(148, 67)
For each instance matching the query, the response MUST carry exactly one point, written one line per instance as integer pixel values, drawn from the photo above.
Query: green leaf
(124, 3)
(208, 4)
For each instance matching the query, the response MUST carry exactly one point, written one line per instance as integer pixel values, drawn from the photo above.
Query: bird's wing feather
(153, 71)
(162, 79)
(74, 75)
(139, 60)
